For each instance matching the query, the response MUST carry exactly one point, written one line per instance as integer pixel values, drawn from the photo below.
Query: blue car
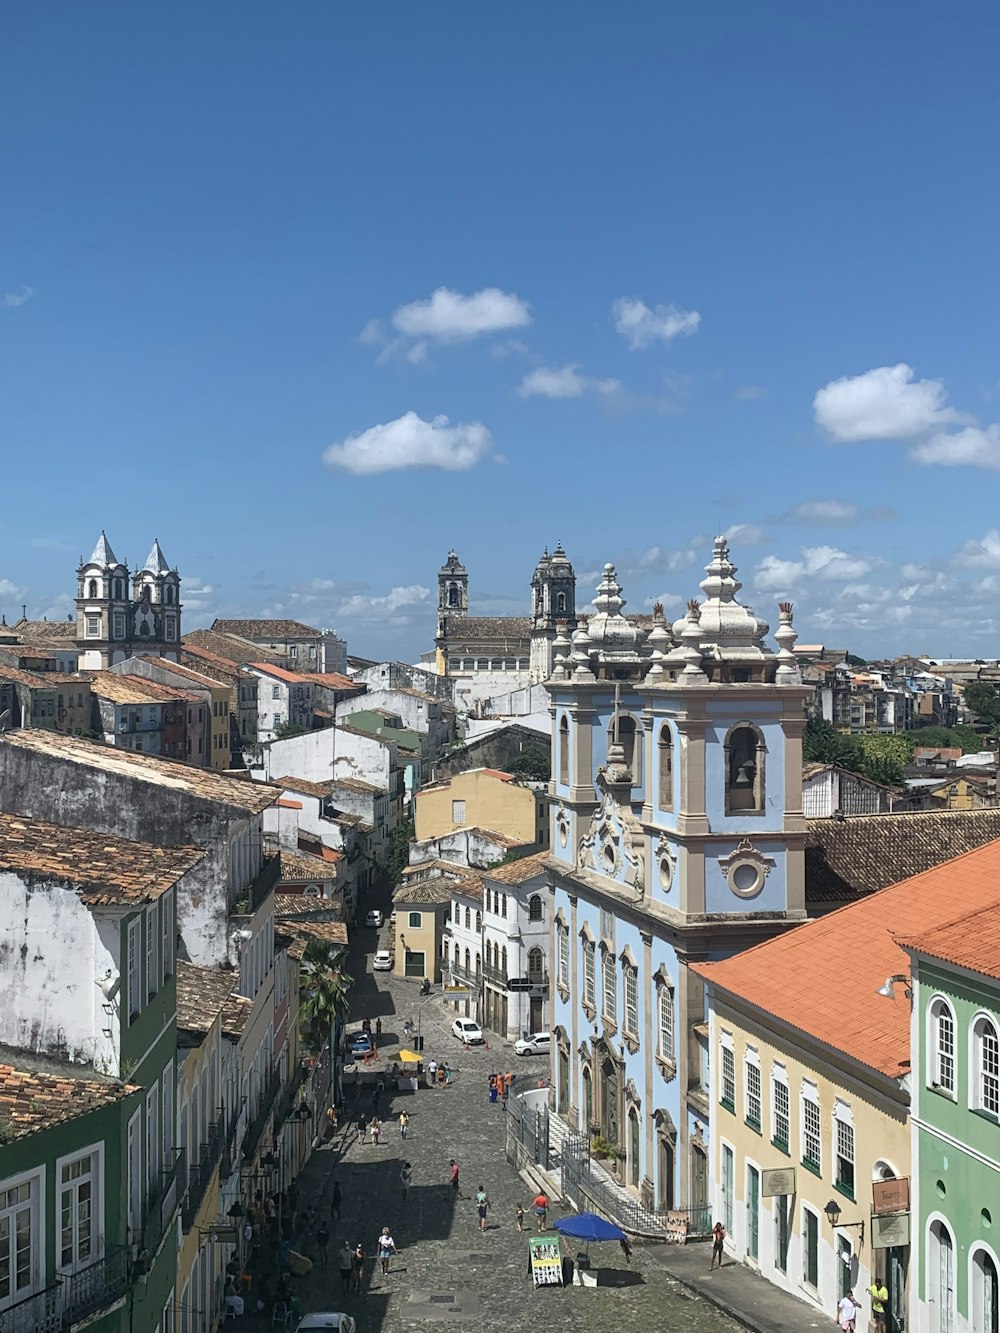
(361, 1044)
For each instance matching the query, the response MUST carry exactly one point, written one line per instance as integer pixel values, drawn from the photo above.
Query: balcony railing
(267, 878)
(290, 1093)
(201, 1172)
(461, 973)
(252, 1137)
(40, 1313)
(93, 1289)
(161, 1208)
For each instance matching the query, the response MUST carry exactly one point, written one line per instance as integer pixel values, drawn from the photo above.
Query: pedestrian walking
(345, 1263)
(847, 1312)
(453, 1178)
(519, 1214)
(404, 1124)
(626, 1249)
(322, 1241)
(505, 1088)
(335, 1202)
(378, 1028)
(406, 1179)
(482, 1206)
(718, 1237)
(379, 1089)
(362, 1126)
(386, 1248)
(447, 1073)
(432, 1072)
(358, 1266)
(540, 1203)
(376, 1132)
(879, 1294)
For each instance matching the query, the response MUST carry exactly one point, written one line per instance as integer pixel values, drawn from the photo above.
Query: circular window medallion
(563, 829)
(745, 877)
(609, 856)
(746, 869)
(666, 869)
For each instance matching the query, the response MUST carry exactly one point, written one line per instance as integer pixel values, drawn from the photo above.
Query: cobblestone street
(448, 1272)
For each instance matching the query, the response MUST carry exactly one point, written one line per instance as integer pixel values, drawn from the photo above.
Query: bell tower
(102, 608)
(453, 601)
(553, 603)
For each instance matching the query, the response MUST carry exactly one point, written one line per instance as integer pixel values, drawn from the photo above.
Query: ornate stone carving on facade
(746, 869)
(613, 844)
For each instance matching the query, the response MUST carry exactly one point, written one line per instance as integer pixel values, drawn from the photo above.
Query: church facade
(115, 621)
(677, 836)
(492, 655)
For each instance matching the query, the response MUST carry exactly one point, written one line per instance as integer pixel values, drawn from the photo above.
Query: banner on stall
(546, 1261)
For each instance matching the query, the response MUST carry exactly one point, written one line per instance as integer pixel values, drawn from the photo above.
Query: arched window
(745, 770)
(535, 907)
(169, 595)
(536, 964)
(118, 588)
(986, 1067)
(941, 1274)
(479, 922)
(479, 966)
(985, 1293)
(468, 918)
(561, 603)
(665, 783)
(633, 1147)
(458, 957)
(503, 961)
(564, 749)
(453, 595)
(468, 960)
(92, 588)
(503, 905)
(630, 739)
(941, 1046)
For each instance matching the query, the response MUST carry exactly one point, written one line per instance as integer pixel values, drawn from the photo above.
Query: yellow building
(809, 1140)
(421, 911)
(482, 798)
(207, 1115)
(219, 748)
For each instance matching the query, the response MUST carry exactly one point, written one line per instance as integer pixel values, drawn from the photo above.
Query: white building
(516, 922)
(284, 698)
(344, 755)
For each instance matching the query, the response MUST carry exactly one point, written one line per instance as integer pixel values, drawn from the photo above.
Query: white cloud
(832, 513)
(750, 392)
(975, 446)
(746, 534)
(409, 441)
(509, 347)
(11, 300)
(817, 562)
(882, 404)
(983, 552)
(452, 317)
(372, 335)
(564, 383)
(640, 325)
(396, 599)
(192, 586)
(10, 590)
(417, 352)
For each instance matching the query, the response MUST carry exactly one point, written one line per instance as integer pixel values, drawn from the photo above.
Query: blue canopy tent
(589, 1227)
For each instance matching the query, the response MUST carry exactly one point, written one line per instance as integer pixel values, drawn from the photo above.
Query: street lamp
(832, 1211)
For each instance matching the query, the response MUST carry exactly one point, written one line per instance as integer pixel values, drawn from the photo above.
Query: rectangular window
(728, 1089)
(810, 1248)
(152, 941)
(811, 1156)
(93, 627)
(589, 991)
(168, 625)
(780, 1206)
(275, 691)
(665, 1006)
(167, 1095)
(751, 1076)
(80, 1223)
(728, 1177)
(134, 970)
(610, 988)
(168, 932)
(153, 1145)
(458, 812)
(415, 919)
(562, 940)
(134, 1186)
(779, 1112)
(20, 1241)
(630, 993)
(845, 1157)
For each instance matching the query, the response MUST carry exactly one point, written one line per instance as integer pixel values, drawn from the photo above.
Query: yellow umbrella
(410, 1057)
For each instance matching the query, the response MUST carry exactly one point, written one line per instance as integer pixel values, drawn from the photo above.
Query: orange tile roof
(202, 994)
(292, 677)
(822, 977)
(516, 872)
(287, 804)
(133, 689)
(303, 785)
(971, 941)
(333, 680)
(31, 1101)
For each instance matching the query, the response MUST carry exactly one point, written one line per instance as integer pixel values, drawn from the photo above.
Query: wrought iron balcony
(201, 1172)
(85, 1294)
(252, 1137)
(40, 1313)
(161, 1209)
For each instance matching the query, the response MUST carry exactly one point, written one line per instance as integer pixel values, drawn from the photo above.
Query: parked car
(382, 961)
(361, 1044)
(342, 1323)
(535, 1043)
(374, 918)
(467, 1031)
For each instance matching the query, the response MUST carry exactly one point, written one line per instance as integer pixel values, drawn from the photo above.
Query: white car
(467, 1031)
(374, 918)
(343, 1323)
(535, 1043)
(382, 962)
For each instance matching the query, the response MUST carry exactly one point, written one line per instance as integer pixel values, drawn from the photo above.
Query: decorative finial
(788, 671)
(691, 645)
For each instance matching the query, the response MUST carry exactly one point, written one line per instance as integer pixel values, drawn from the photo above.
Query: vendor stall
(545, 1261)
(591, 1229)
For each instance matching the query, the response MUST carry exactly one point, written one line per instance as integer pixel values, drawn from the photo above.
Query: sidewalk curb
(720, 1303)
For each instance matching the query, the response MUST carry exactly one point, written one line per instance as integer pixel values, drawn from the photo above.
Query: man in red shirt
(540, 1203)
(453, 1178)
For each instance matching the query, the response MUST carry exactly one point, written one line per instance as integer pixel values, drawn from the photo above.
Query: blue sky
(314, 292)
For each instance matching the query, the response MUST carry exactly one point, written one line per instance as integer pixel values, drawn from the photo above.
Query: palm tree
(323, 993)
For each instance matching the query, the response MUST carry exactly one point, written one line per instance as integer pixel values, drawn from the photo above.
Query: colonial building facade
(112, 623)
(677, 836)
(490, 655)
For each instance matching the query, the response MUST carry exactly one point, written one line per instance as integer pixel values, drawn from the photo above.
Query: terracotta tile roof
(517, 872)
(498, 773)
(302, 865)
(292, 783)
(971, 941)
(46, 629)
(202, 993)
(488, 627)
(282, 673)
(847, 859)
(266, 629)
(30, 1101)
(358, 784)
(110, 871)
(211, 659)
(435, 889)
(200, 782)
(229, 647)
(301, 918)
(235, 1015)
(435, 864)
(813, 770)
(852, 951)
(188, 673)
(333, 680)
(34, 680)
(288, 805)
(132, 689)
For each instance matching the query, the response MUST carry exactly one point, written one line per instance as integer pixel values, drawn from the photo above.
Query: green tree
(398, 855)
(822, 743)
(984, 701)
(285, 729)
(942, 738)
(534, 764)
(323, 992)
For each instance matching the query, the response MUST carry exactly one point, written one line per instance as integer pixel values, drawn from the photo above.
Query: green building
(955, 1117)
(90, 1178)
